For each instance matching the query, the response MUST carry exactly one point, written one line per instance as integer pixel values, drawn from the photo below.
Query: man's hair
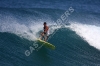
(45, 23)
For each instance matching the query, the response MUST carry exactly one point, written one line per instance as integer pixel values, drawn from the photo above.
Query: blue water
(77, 42)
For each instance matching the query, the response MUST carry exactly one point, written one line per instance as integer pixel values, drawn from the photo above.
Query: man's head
(45, 24)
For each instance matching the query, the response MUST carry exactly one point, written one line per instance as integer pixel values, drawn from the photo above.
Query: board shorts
(46, 35)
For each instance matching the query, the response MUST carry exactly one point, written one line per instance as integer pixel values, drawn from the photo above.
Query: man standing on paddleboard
(44, 34)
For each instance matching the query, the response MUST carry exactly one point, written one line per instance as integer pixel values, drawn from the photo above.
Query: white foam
(29, 31)
(19, 29)
(90, 33)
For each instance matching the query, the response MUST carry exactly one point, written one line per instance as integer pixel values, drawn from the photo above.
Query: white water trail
(30, 32)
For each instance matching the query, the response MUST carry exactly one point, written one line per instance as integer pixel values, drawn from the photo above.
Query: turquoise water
(70, 50)
(77, 44)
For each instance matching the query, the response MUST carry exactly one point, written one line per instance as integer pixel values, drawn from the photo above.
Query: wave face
(77, 44)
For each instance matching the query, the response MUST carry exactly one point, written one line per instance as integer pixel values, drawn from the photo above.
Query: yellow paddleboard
(46, 44)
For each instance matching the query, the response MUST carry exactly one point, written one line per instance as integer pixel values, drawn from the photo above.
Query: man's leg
(41, 36)
(45, 37)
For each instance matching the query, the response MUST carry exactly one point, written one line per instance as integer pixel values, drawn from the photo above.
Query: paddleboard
(46, 44)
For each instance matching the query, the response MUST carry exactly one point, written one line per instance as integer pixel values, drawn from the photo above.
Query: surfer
(44, 34)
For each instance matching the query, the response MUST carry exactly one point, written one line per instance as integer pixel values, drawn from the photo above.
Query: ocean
(77, 38)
